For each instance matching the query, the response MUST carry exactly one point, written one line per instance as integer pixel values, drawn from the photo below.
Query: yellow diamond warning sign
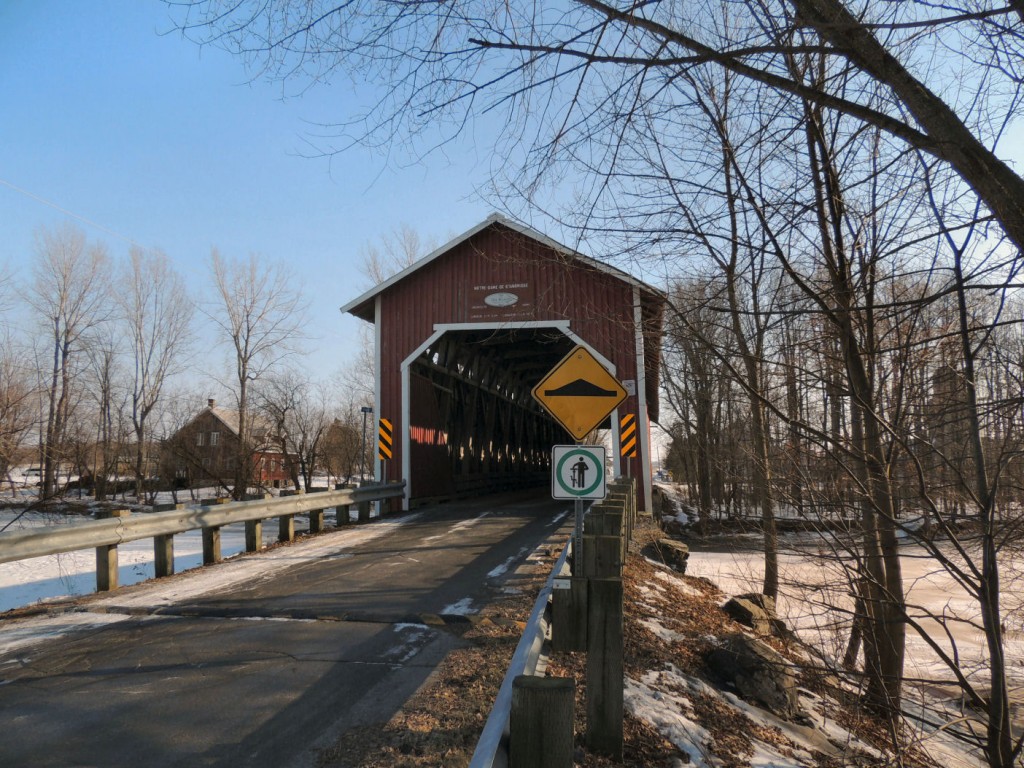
(579, 392)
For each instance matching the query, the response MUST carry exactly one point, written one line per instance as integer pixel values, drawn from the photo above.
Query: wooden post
(163, 555)
(253, 535)
(604, 668)
(364, 511)
(602, 556)
(286, 523)
(569, 614)
(341, 511)
(211, 536)
(541, 722)
(211, 545)
(254, 528)
(106, 555)
(316, 516)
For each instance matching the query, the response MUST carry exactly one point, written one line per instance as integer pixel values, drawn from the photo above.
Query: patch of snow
(668, 714)
(502, 569)
(679, 583)
(664, 633)
(462, 608)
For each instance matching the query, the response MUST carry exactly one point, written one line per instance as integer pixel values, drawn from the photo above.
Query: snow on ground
(189, 584)
(665, 699)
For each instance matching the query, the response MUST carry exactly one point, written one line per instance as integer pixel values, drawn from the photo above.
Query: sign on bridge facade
(464, 335)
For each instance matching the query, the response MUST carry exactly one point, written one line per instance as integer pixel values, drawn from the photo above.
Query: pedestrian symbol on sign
(578, 473)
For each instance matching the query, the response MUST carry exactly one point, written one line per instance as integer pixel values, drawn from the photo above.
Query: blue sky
(156, 141)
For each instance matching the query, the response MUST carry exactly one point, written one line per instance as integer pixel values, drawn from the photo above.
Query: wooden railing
(120, 527)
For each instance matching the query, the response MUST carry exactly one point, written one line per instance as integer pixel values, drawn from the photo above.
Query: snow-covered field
(814, 601)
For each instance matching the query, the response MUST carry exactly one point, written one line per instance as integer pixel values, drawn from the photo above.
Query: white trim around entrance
(442, 328)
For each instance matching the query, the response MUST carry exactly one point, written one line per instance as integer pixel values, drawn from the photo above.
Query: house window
(199, 438)
(214, 437)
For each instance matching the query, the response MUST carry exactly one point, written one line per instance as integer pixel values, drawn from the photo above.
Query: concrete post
(605, 668)
(541, 722)
(106, 555)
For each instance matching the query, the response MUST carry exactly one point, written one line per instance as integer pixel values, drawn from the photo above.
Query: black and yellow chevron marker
(384, 440)
(627, 436)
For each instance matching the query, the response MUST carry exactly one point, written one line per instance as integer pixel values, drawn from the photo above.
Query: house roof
(363, 306)
(229, 418)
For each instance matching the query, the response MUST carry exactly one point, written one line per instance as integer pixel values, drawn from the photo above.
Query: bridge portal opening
(462, 337)
(474, 427)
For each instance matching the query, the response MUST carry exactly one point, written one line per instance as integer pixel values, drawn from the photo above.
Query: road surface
(265, 672)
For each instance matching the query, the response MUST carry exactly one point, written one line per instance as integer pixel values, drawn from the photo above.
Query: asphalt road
(267, 674)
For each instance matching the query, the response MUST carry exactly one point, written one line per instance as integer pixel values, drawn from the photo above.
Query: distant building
(205, 451)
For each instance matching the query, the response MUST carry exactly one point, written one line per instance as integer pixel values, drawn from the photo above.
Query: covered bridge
(465, 333)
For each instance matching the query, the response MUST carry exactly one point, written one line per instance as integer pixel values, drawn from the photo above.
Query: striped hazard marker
(384, 440)
(627, 436)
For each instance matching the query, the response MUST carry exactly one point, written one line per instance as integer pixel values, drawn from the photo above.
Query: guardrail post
(211, 534)
(602, 556)
(163, 555)
(286, 523)
(604, 667)
(163, 545)
(211, 545)
(569, 614)
(106, 555)
(364, 511)
(541, 722)
(316, 516)
(254, 528)
(341, 511)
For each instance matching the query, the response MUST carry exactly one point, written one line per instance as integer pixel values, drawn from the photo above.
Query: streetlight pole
(362, 454)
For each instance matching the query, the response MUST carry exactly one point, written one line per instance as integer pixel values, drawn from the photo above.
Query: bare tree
(296, 409)
(158, 313)
(106, 385)
(17, 408)
(393, 252)
(70, 297)
(260, 316)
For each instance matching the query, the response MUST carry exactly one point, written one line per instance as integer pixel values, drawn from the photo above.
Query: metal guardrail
(492, 748)
(38, 542)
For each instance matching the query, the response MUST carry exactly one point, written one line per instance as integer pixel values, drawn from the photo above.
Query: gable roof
(229, 418)
(363, 306)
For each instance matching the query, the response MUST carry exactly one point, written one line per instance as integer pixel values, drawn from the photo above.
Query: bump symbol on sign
(579, 392)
